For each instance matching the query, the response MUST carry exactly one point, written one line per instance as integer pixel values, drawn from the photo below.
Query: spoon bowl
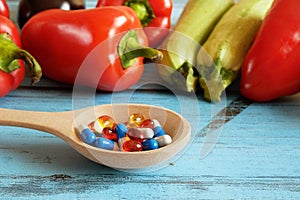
(63, 125)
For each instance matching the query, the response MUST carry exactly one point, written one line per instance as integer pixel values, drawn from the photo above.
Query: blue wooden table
(256, 154)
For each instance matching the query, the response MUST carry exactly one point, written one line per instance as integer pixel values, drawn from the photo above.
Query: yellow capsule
(103, 122)
(136, 119)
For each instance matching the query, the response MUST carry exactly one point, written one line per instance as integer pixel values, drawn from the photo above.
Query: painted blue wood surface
(257, 155)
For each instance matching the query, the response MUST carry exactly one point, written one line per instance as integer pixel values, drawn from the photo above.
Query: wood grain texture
(256, 156)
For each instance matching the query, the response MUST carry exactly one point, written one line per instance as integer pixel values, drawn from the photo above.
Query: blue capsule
(87, 135)
(150, 144)
(107, 144)
(159, 131)
(121, 130)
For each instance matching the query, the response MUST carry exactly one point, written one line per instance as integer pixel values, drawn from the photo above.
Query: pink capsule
(140, 134)
(135, 134)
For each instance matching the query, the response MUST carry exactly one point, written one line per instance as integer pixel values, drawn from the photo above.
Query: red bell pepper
(61, 41)
(12, 70)
(4, 9)
(271, 68)
(7, 26)
(155, 14)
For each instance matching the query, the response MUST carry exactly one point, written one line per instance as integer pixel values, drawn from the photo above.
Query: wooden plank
(116, 186)
(249, 161)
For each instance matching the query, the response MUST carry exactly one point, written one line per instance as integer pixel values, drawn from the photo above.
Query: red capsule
(110, 134)
(148, 123)
(132, 145)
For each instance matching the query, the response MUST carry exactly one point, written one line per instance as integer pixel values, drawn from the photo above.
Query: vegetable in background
(4, 9)
(152, 13)
(12, 70)
(28, 8)
(61, 40)
(181, 46)
(228, 45)
(8, 27)
(272, 65)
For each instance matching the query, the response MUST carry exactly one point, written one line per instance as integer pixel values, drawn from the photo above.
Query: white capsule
(163, 140)
(81, 127)
(121, 142)
(98, 127)
(156, 123)
(86, 134)
(116, 147)
(141, 133)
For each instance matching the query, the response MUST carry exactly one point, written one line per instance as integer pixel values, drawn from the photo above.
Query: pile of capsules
(138, 134)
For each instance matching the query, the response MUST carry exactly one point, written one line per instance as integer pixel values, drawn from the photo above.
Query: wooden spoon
(63, 125)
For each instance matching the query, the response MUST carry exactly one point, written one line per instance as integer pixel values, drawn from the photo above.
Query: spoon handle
(56, 123)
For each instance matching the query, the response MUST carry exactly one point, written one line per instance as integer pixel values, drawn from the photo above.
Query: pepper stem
(11, 52)
(142, 9)
(129, 49)
(35, 71)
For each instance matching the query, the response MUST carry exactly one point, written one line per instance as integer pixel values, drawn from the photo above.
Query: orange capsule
(102, 122)
(132, 145)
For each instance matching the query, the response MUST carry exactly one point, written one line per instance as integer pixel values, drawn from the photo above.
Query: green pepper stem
(142, 9)
(129, 49)
(35, 71)
(11, 52)
(135, 50)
